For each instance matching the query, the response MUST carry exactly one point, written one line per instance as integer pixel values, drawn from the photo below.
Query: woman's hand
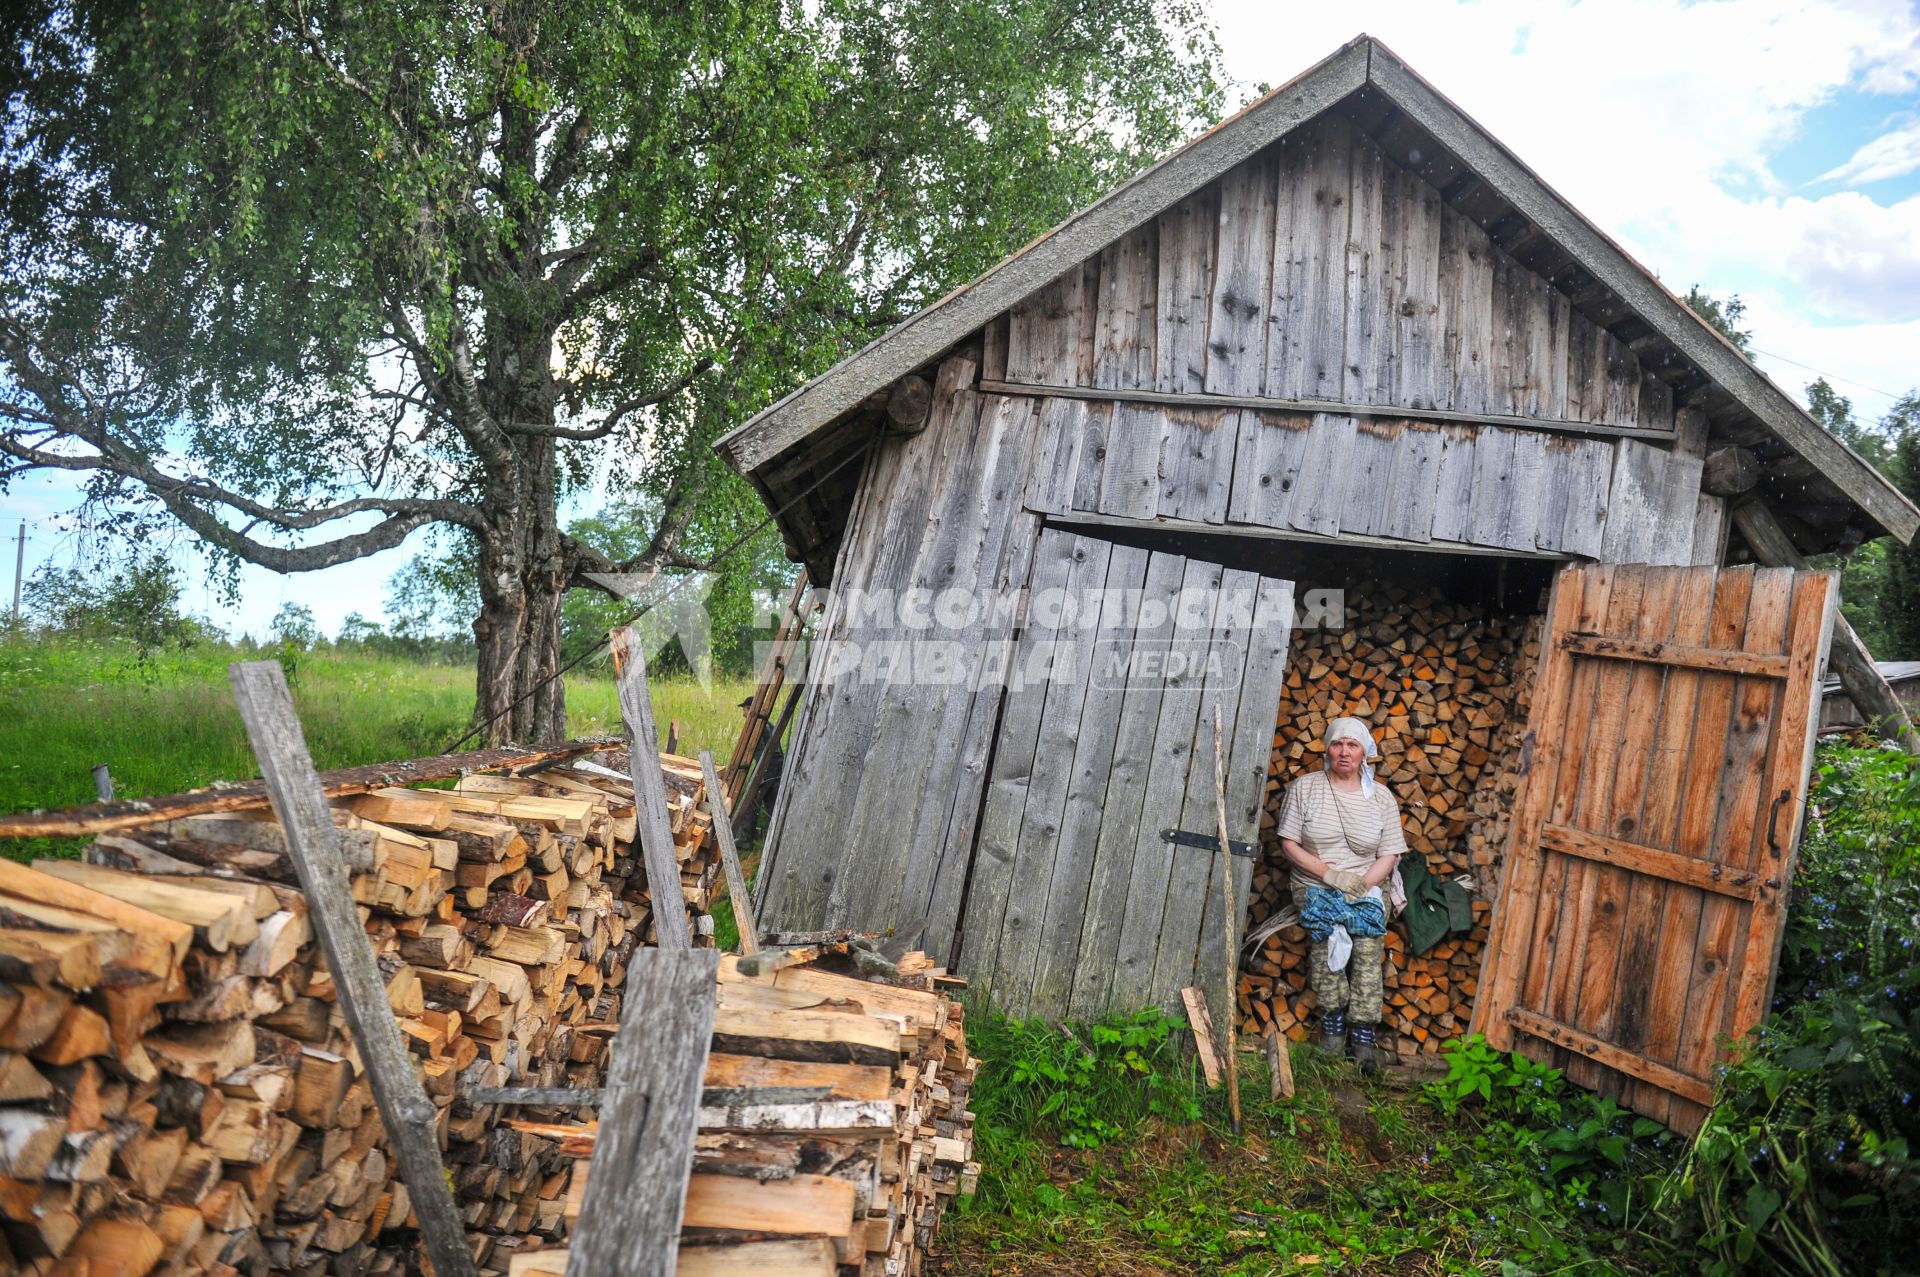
(1346, 882)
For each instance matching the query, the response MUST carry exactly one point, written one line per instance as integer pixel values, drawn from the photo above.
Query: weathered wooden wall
(1320, 275)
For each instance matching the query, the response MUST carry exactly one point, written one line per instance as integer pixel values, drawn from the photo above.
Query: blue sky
(1765, 147)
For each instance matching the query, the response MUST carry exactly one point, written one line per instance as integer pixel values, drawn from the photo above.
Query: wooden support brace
(643, 1153)
(293, 786)
(1859, 676)
(650, 793)
(729, 857)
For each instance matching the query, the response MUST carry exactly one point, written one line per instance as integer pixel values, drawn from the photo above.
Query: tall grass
(166, 722)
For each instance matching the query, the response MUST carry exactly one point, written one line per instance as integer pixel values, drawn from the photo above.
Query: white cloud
(1659, 119)
(1893, 154)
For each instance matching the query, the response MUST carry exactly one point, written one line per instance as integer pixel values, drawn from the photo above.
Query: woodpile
(1445, 687)
(833, 1126)
(177, 1090)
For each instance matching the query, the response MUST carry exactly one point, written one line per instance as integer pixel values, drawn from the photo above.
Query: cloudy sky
(1765, 147)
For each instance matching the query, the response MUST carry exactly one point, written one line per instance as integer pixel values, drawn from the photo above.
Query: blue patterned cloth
(1327, 909)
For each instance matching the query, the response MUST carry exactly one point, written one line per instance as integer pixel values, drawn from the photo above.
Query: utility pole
(19, 567)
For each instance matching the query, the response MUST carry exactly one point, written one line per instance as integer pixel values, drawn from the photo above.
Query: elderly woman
(1340, 829)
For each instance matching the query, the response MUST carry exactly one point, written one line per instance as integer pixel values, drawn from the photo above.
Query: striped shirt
(1346, 830)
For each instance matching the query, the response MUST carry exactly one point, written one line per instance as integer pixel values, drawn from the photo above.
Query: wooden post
(650, 794)
(1226, 890)
(766, 690)
(649, 1114)
(1859, 676)
(729, 857)
(266, 707)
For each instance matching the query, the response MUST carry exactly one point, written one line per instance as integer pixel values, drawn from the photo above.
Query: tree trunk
(525, 569)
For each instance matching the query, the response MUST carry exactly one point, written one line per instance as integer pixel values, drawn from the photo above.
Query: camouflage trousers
(1358, 988)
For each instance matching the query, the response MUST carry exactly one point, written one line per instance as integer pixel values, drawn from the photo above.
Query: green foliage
(1899, 597)
(1806, 1162)
(1879, 581)
(1723, 316)
(137, 600)
(1600, 1159)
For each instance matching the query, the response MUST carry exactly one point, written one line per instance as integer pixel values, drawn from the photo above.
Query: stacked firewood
(1445, 687)
(177, 1088)
(833, 1127)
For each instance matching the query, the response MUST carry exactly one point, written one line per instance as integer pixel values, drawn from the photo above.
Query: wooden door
(1077, 904)
(1654, 832)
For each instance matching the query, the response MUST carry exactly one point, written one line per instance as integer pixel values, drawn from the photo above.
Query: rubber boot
(1364, 1053)
(1333, 1033)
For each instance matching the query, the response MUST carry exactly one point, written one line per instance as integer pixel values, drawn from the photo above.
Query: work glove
(1347, 883)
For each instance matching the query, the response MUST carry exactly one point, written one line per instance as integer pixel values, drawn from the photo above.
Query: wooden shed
(1346, 341)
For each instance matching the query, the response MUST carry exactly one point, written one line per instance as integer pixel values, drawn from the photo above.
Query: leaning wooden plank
(266, 707)
(96, 818)
(630, 1221)
(1201, 1022)
(730, 857)
(650, 793)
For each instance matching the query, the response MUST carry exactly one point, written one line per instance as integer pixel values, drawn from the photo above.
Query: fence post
(266, 707)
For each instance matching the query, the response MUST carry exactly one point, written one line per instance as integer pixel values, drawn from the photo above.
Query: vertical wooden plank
(643, 1155)
(1586, 390)
(1529, 490)
(649, 793)
(1364, 369)
(1307, 364)
(1815, 596)
(1507, 385)
(1068, 902)
(1453, 483)
(1278, 448)
(1131, 475)
(1494, 489)
(1414, 483)
(1123, 350)
(1191, 869)
(1249, 716)
(1090, 459)
(1633, 502)
(1320, 489)
(1469, 294)
(1166, 777)
(1656, 401)
(1062, 426)
(1511, 929)
(1015, 752)
(1419, 341)
(993, 356)
(1365, 510)
(1589, 476)
(1557, 478)
(1090, 295)
(1739, 823)
(300, 805)
(1676, 500)
(1623, 383)
(1185, 291)
(1709, 531)
(1037, 848)
(1199, 457)
(1043, 334)
(1241, 309)
(730, 858)
(1554, 374)
(1123, 808)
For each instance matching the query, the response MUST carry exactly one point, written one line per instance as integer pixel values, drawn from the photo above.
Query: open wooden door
(1640, 914)
(1078, 902)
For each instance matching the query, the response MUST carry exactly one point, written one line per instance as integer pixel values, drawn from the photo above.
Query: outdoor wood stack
(833, 1126)
(1445, 687)
(178, 1092)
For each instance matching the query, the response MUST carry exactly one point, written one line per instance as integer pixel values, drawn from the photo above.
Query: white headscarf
(1354, 730)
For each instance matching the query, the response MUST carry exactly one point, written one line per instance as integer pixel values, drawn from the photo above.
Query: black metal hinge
(1209, 842)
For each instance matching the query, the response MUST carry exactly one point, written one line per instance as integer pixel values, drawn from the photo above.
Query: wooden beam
(650, 1110)
(300, 804)
(1715, 660)
(101, 818)
(650, 793)
(730, 857)
(1080, 519)
(1335, 407)
(1859, 677)
(1667, 1079)
(1652, 860)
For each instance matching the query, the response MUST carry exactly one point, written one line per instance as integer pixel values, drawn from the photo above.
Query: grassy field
(167, 723)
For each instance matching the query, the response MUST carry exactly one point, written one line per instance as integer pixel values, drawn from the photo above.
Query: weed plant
(1806, 1163)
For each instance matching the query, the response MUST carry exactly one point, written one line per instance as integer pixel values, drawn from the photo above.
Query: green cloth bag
(1436, 907)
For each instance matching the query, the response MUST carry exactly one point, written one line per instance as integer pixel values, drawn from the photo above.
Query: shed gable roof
(1608, 272)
